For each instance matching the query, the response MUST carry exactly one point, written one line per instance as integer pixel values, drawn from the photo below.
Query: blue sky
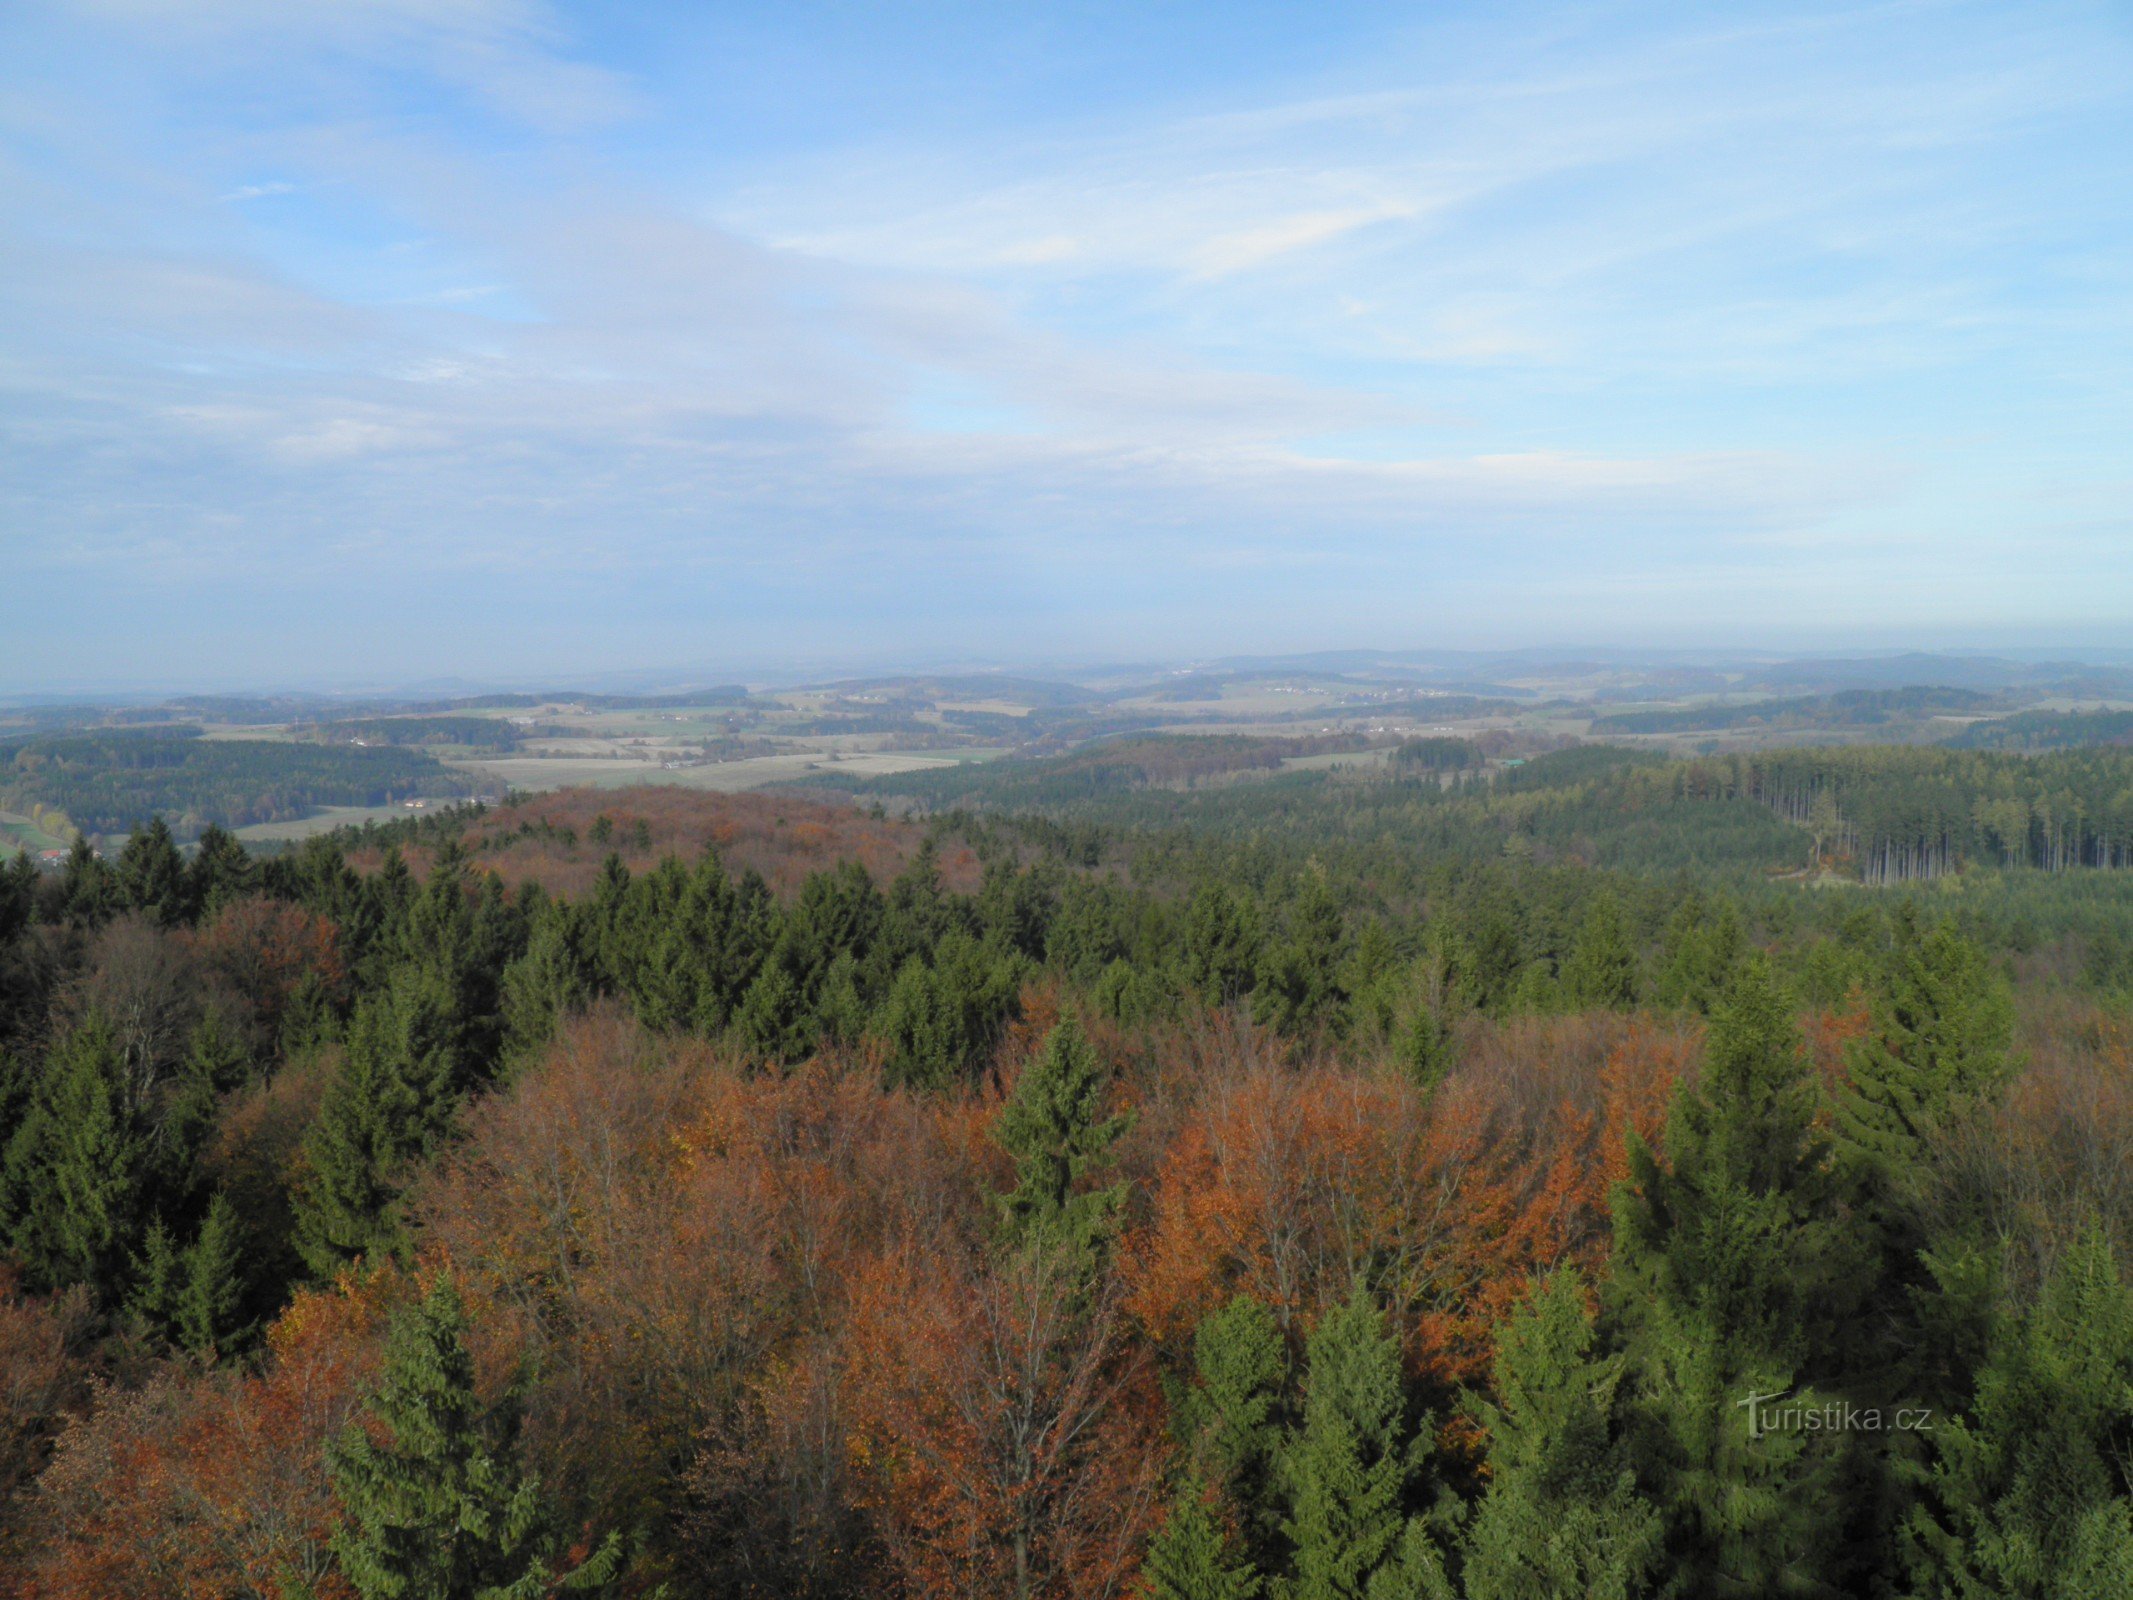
(367, 342)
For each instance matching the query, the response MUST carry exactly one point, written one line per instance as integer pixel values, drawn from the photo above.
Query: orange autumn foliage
(216, 1482)
(1006, 1434)
(1288, 1185)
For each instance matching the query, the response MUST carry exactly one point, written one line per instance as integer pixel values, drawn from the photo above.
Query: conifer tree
(392, 1100)
(1053, 1125)
(151, 875)
(1562, 1518)
(1230, 1423)
(2031, 1497)
(435, 1505)
(88, 892)
(1732, 1271)
(1355, 1469)
(75, 1168)
(206, 1306)
(1193, 1557)
(158, 1275)
(1221, 945)
(544, 985)
(222, 870)
(1602, 970)
(1937, 1050)
(1297, 986)
(772, 1014)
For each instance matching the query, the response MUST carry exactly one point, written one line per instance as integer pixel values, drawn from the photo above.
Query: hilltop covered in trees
(113, 780)
(750, 1195)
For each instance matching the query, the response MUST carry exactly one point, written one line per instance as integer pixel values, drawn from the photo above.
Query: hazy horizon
(489, 339)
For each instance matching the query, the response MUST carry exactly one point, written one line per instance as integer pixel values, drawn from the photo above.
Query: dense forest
(482, 733)
(1848, 708)
(1286, 1188)
(110, 780)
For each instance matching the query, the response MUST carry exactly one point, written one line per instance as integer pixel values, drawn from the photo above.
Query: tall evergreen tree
(1562, 1518)
(75, 1168)
(1937, 1050)
(1231, 1424)
(1602, 970)
(89, 893)
(152, 878)
(158, 1276)
(392, 1100)
(552, 979)
(1355, 1469)
(207, 1305)
(1054, 1128)
(2031, 1497)
(1732, 1271)
(435, 1505)
(221, 870)
(1193, 1556)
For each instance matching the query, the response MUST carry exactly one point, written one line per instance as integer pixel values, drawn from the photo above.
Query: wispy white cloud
(1692, 310)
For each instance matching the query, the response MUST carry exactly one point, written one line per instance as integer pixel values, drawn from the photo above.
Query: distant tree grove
(1049, 1211)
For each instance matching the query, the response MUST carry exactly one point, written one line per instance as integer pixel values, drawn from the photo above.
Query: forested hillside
(109, 781)
(1441, 1181)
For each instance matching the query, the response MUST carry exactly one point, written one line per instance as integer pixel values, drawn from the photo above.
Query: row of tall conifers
(1902, 813)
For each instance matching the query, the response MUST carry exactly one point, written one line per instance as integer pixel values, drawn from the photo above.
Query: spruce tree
(158, 1276)
(1355, 1469)
(547, 983)
(151, 876)
(1562, 1518)
(1732, 1271)
(207, 1305)
(1231, 1423)
(76, 1168)
(1937, 1050)
(1602, 970)
(392, 1100)
(1054, 1127)
(221, 871)
(435, 1505)
(89, 894)
(1193, 1557)
(2031, 1497)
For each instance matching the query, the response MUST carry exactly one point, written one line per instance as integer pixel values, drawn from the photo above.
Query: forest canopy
(650, 1192)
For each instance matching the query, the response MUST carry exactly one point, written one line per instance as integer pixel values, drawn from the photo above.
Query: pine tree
(1053, 1125)
(1220, 947)
(2032, 1494)
(1193, 1557)
(206, 1306)
(1355, 1468)
(1938, 1046)
(435, 1505)
(1602, 970)
(392, 1100)
(917, 1023)
(1562, 1518)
